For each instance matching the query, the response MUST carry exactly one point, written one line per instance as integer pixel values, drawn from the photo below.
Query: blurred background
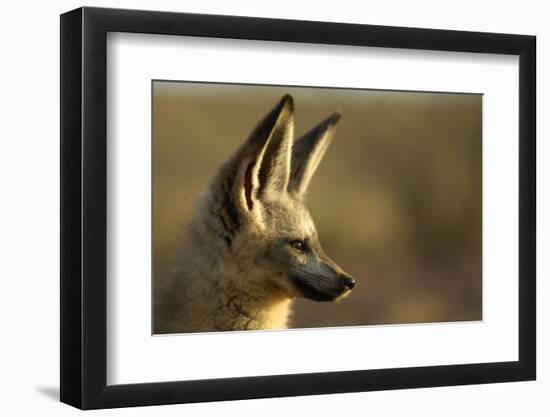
(396, 199)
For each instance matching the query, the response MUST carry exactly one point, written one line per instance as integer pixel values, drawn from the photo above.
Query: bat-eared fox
(251, 247)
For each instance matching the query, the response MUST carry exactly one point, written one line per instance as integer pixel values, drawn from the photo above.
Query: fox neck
(240, 302)
(217, 302)
(238, 310)
(207, 292)
(236, 304)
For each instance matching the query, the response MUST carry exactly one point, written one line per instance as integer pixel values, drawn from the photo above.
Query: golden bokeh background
(397, 198)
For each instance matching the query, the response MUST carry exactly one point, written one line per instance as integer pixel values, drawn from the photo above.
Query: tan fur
(231, 271)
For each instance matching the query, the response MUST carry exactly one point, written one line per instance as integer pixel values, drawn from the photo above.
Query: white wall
(29, 101)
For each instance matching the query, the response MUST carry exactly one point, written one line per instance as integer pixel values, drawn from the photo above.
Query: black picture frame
(84, 207)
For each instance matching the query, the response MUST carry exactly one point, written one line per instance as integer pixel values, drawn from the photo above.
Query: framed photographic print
(258, 208)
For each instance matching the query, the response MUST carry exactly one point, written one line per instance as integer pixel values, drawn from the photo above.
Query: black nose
(349, 282)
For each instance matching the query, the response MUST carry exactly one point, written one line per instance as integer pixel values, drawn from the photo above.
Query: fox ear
(273, 171)
(307, 153)
(261, 166)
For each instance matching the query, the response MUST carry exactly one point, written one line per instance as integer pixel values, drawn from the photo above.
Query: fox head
(256, 209)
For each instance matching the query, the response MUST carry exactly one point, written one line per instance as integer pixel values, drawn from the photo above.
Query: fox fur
(251, 247)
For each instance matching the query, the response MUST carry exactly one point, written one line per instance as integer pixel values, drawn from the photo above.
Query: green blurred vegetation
(397, 198)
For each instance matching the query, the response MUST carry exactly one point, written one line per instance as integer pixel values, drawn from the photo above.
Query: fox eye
(299, 245)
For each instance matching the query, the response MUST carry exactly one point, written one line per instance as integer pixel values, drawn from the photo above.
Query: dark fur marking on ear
(229, 204)
(248, 185)
(224, 210)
